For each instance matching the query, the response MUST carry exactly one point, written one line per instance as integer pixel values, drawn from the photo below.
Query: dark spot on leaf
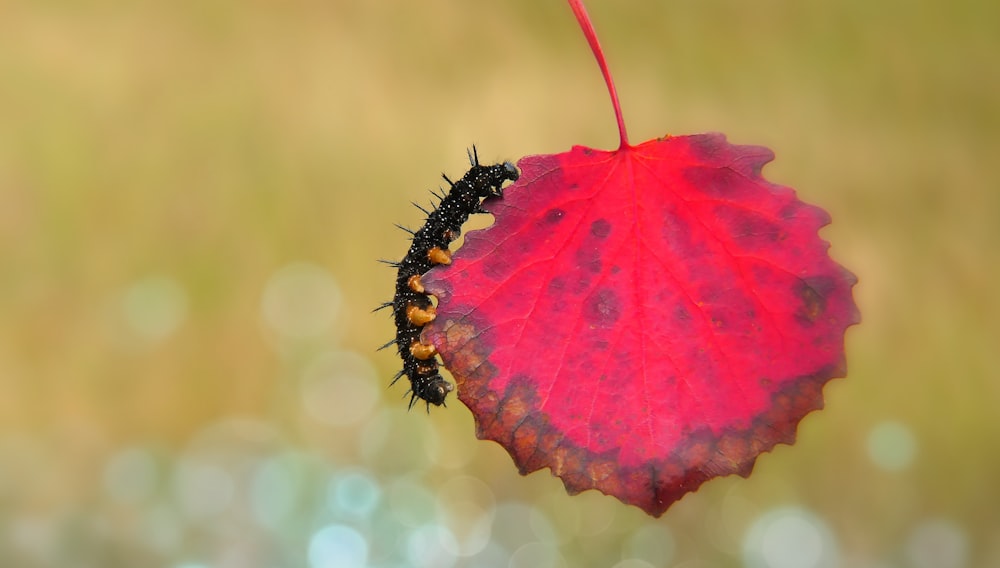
(706, 147)
(600, 228)
(755, 228)
(497, 271)
(677, 232)
(812, 292)
(721, 183)
(750, 160)
(681, 313)
(603, 308)
(442, 288)
(557, 284)
(553, 216)
(790, 211)
(710, 292)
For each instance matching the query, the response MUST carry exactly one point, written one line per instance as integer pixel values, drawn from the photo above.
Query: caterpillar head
(498, 175)
(434, 391)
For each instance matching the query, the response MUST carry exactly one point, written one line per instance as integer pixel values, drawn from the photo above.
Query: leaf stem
(588, 31)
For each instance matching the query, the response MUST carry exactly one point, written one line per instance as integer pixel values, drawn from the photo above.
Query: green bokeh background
(163, 163)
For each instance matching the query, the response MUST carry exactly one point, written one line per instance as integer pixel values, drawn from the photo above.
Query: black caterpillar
(411, 306)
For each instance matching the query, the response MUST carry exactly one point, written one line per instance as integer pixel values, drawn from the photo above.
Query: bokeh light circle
(472, 527)
(353, 494)
(636, 563)
(338, 546)
(467, 504)
(161, 528)
(274, 489)
(411, 503)
(491, 555)
(789, 538)
(301, 301)
(339, 388)
(652, 543)
(391, 441)
(892, 446)
(515, 524)
(431, 546)
(202, 489)
(130, 476)
(536, 555)
(154, 307)
(937, 543)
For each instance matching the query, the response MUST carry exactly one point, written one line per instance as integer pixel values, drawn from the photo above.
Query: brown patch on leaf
(467, 359)
(813, 304)
(515, 422)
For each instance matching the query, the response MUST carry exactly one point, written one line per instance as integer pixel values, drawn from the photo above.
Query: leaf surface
(643, 320)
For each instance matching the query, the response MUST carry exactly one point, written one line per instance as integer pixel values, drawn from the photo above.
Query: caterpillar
(411, 305)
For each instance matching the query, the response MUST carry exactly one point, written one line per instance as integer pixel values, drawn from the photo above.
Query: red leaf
(643, 320)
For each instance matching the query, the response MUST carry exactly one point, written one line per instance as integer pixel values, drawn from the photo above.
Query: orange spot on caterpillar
(419, 316)
(422, 351)
(438, 255)
(415, 284)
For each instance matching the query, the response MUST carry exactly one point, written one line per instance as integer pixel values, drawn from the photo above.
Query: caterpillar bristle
(398, 376)
(413, 400)
(382, 306)
(406, 230)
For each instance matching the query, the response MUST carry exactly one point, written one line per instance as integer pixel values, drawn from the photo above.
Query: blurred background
(193, 195)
